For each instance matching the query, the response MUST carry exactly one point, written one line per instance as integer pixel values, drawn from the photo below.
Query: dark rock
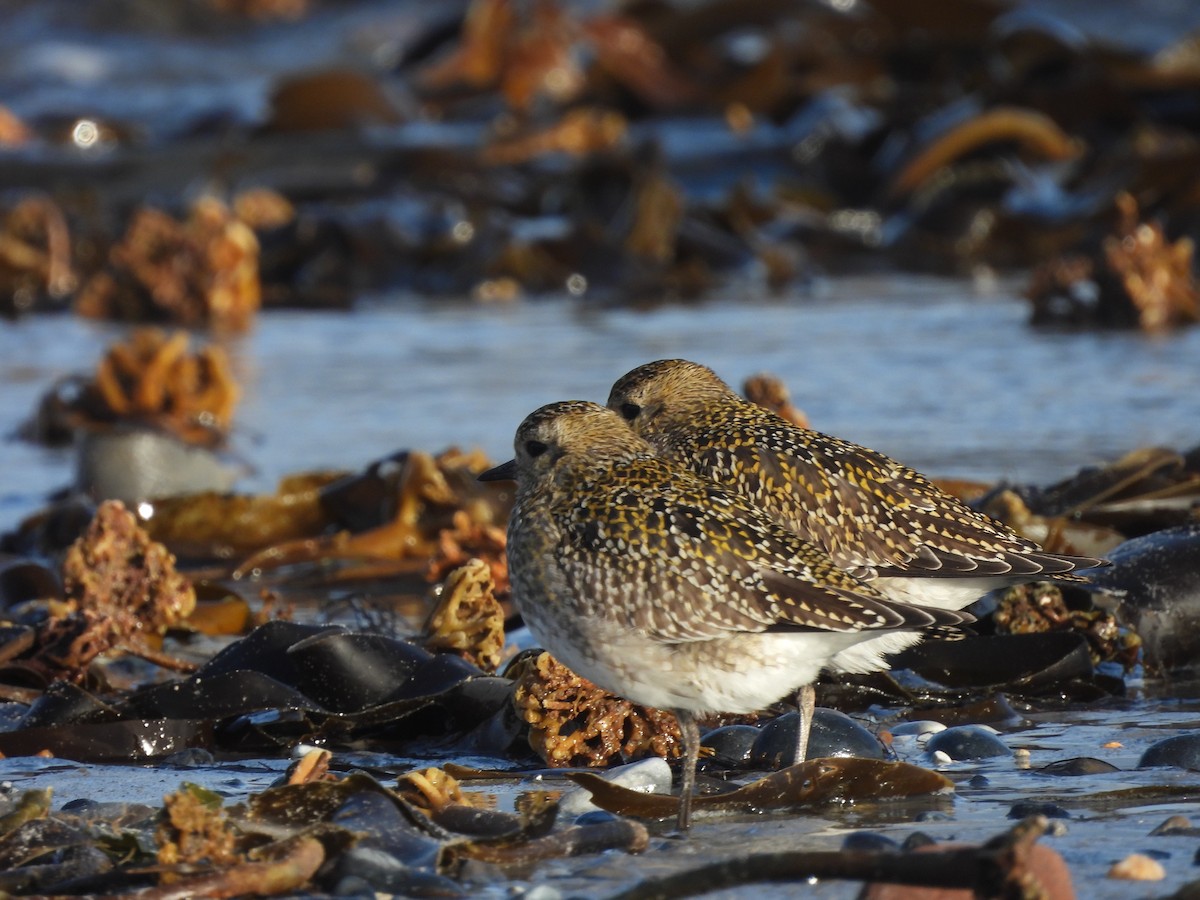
(1181, 751)
(1080, 765)
(731, 745)
(833, 734)
(1026, 808)
(967, 742)
(1177, 825)
(870, 841)
(1156, 578)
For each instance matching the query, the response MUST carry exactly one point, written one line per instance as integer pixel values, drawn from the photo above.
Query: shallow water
(1095, 832)
(933, 372)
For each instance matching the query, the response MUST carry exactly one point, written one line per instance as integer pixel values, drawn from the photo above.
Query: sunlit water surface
(942, 376)
(948, 380)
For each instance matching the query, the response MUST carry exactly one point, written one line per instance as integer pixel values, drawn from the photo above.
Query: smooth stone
(1181, 751)
(650, 776)
(731, 745)
(190, 757)
(919, 728)
(870, 841)
(833, 734)
(1138, 867)
(968, 742)
(596, 817)
(931, 815)
(1176, 825)
(132, 464)
(385, 873)
(1026, 808)
(916, 840)
(1080, 765)
(1156, 578)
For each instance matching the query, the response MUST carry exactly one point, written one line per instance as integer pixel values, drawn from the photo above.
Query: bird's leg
(806, 703)
(691, 752)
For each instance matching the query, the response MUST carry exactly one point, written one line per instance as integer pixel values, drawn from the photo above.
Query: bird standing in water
(667, 589)
(878, 520)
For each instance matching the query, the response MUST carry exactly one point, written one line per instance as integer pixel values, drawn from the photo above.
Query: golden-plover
(878, 520)
(666, 588)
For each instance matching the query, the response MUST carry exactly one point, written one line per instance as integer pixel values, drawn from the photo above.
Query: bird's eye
(630, 411)
(535, 448)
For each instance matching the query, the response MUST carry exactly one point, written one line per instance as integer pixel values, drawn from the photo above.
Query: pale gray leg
(806, 703)
(691, 752)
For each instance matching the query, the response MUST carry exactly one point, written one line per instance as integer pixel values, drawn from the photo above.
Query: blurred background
(958, 233)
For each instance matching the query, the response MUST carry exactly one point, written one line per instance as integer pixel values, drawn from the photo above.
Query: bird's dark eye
(630, 411)
(535, 448)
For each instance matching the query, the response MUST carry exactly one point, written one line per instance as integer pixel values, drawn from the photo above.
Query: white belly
(742, 673)
(944, 593)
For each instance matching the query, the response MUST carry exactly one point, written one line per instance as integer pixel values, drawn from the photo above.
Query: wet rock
(132, 463)
(1138, 867)
(922, 728)
(1027, 808)
(870, 841)
(968, 742)
(192, 757)
(1181, 751)
(1177, 825)
(1156, 581)
(833, 734)
(1080, 765)
(651, 775)
(731, 745)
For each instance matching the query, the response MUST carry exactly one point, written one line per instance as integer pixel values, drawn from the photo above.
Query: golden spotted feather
(716, 565)
(874, 516)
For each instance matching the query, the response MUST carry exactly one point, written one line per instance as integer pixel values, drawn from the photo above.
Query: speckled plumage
(665, 587)
(879, 520)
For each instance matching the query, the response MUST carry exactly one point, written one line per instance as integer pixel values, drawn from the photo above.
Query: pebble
(1178, 825)
(189, 757)
(650, 776)
(968, 742)
(1138, 867)
(731, 745)
(1181, 751)
(871, 841)
(1080, 765)
(833, 734)
(921, 728)
(1026, 808)
(131, 463)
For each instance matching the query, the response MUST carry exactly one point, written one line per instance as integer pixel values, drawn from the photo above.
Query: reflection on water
(948, 381)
